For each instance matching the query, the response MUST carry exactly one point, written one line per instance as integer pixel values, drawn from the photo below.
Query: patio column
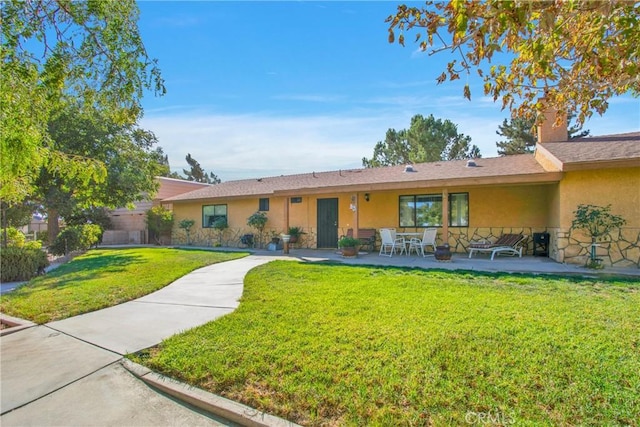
(287, 201)
(445, 216)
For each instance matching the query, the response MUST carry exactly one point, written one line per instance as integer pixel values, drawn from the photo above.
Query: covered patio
(459, 261)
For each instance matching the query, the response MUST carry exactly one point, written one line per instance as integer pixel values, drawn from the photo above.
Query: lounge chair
(508, 244)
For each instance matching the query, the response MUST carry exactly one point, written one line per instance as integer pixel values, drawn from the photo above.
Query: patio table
(407, 237)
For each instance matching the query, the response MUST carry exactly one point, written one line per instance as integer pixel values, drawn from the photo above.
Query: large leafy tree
(125, 151)
(521, 138)
(197, 174)
(577, 53)
(53, 49)
(427, 140)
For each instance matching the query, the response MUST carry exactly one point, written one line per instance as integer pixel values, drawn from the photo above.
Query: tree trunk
(53, 228)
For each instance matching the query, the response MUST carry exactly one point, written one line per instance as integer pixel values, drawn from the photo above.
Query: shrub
(15, 237)
(75, 238)
(93, 215)
(159, 222)
(43, 236)
(21, 263)
(186, 225)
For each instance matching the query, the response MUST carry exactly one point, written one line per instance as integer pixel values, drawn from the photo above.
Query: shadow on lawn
(631, 283)
(92, 265)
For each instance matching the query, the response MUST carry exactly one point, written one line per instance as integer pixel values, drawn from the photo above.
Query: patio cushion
(504, 240)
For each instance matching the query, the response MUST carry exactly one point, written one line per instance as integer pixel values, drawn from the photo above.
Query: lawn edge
(209, 402)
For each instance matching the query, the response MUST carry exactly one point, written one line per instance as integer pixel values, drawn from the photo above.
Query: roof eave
(531, 178)
(601, 164)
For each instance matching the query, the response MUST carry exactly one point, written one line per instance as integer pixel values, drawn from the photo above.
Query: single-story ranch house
(466, 200)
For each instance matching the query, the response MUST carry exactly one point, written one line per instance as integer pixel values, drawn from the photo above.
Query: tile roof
(607, 148)
(514, 169)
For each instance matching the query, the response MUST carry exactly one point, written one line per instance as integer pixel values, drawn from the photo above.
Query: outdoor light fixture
(366, 196)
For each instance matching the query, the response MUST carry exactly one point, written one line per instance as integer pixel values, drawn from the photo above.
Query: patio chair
(390, 243)
(428, 239)
(508, 244)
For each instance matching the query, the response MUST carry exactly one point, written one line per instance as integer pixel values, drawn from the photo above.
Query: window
(426, 210)
(459, 209)
(212, 213)
(296, 200)
(421, 211)
(263, 205)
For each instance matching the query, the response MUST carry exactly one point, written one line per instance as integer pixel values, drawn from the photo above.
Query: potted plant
(295, 233)
(349, 246)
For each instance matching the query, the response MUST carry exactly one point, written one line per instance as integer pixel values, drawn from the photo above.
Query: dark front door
(327, 223)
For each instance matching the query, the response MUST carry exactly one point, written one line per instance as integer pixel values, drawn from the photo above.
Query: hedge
(17, 264)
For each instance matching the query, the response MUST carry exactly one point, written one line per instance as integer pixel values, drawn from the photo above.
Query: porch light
(366, 196)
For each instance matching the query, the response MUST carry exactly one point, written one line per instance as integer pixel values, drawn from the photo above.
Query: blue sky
(260, 89)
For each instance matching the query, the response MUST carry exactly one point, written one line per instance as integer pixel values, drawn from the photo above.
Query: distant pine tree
(427, 140)
(520, 135)
(197, 174)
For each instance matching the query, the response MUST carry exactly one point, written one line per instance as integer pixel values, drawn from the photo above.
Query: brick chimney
(547, 132)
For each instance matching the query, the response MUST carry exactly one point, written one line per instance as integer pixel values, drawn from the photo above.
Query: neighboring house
(129, 225)
(528, 193)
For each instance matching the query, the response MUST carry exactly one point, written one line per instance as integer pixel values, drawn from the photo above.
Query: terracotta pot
(350, 251)
(443, 253)
(294, 239)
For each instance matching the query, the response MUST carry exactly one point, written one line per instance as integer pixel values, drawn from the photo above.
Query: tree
(53, 49)
(521, 137)
(197, 174)
(519, 134)
(124, 151)
(577, 53)
(159, 222)
(598, 222)
(427, 140)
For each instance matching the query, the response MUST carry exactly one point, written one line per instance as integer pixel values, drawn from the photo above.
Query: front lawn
(346, 345)
(103, 278)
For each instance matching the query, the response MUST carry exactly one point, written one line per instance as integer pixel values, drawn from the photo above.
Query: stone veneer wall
(459, 238)
(622, 249)
(570, 246)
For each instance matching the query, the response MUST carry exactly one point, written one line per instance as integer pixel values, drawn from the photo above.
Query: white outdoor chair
(428, 239)
(390, 243)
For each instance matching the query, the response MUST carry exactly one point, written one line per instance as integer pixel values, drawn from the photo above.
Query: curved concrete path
(68, 372)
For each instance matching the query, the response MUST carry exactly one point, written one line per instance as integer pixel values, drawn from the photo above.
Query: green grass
(103, 278)
(346, 345)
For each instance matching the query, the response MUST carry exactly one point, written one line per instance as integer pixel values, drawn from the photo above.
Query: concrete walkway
(69, 372)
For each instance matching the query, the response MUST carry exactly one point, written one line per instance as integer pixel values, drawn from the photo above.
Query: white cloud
(252, 145)
(237, 146)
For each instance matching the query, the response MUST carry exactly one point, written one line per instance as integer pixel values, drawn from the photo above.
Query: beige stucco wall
(601, 187)
(492, 208)
(618, 187)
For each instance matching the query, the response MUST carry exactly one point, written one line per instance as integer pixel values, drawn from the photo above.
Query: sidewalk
(68, 372)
